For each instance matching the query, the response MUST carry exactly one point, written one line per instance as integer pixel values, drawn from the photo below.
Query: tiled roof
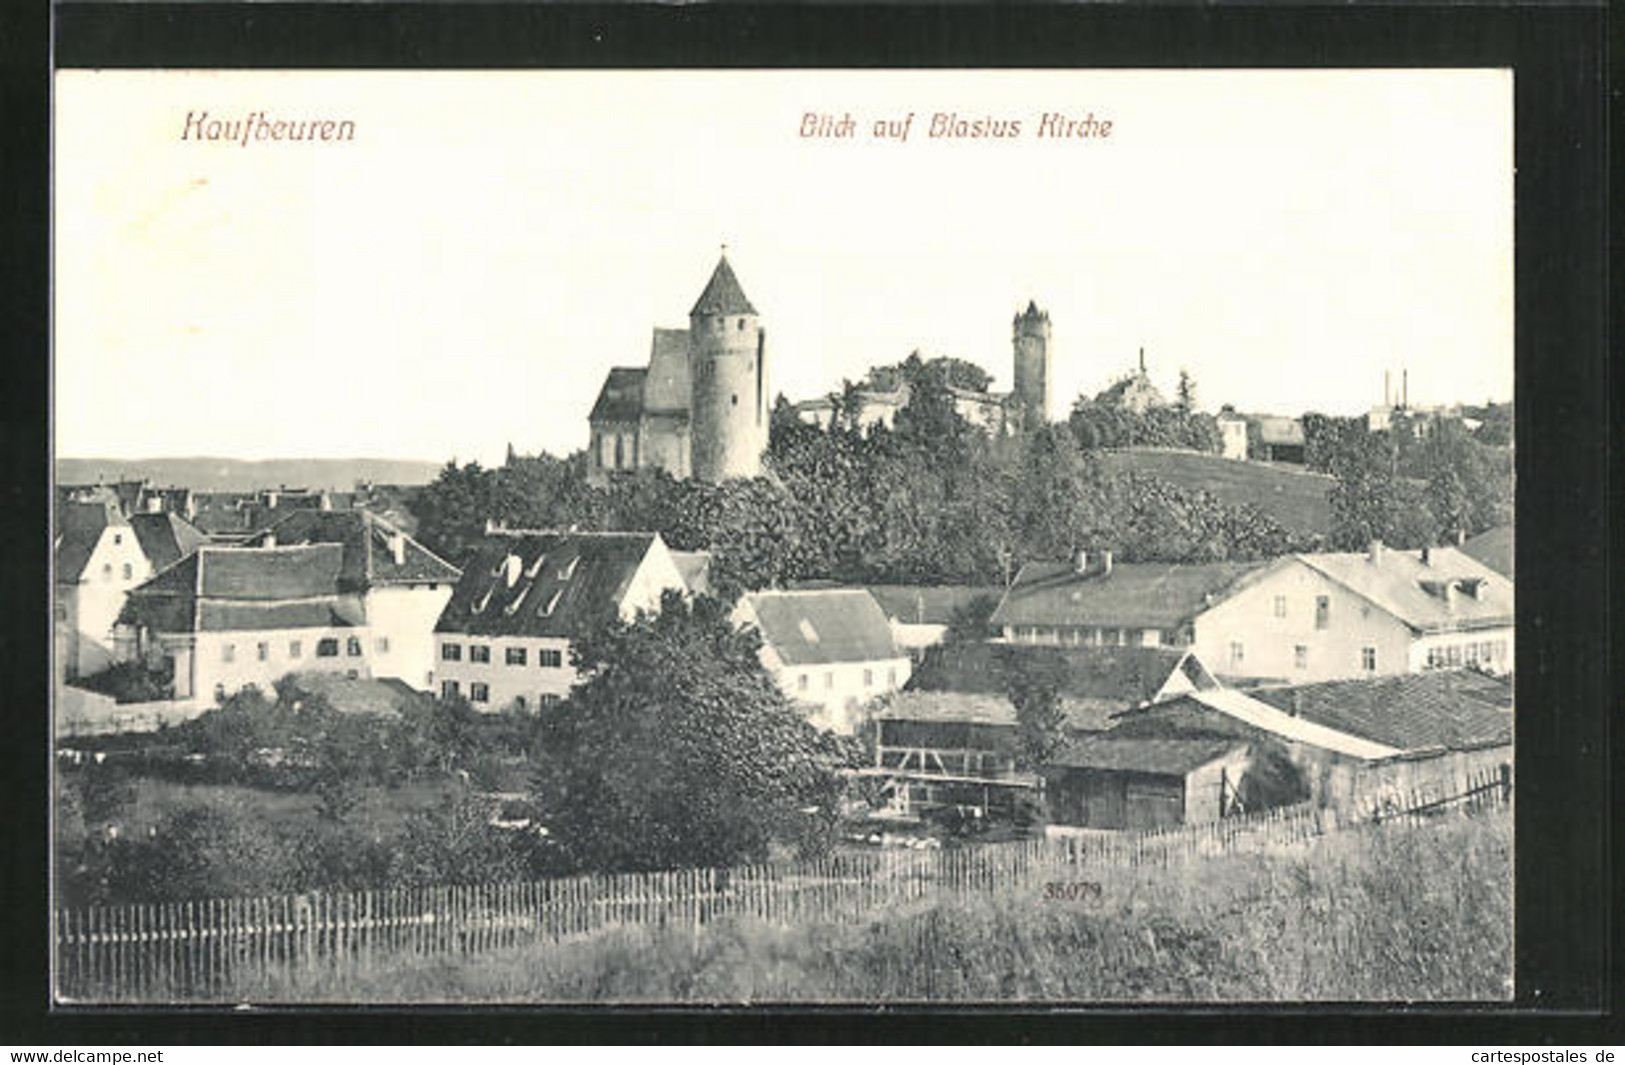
(221, 513)
(1397, 581)
(919, 604)
(695, 567)
(666, 387)
(974, 708)
(166, 538)
(79, 528)
(1134, 595)
(824, 626)
(551, 584)
(239, 589)
(1236, 714)
(722, 294)
(1454, 709)
(1161, 757)
(1494, 548)
(351, 695)
(1122, 676)
(367, 542)
(621, 398)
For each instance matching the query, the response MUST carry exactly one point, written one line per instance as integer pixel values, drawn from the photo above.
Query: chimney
(327, 500)
(155, 504)
(1427, 557)
(1461, 537)
(1297, 703)
(270, 539)
(1387, 388)
(1081, 563)
(1105, 563)
(397, 549)
(271, 497)
(491, 526)
(1405, 389)
(1374, 554)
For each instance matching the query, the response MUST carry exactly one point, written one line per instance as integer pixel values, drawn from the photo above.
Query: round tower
(1032, 365)
(728, 378)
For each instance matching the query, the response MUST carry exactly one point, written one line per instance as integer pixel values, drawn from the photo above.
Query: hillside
(238, 475)
(1295, 498)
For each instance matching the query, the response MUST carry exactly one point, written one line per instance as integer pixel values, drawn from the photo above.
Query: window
(327, 648)
(741, 325)
(448, 689)
(451, 652)
(479, 693)
(296, 649)
(352, 647)
(733, 400)
(549, 658)
(129, 571)
(1300, 657)
(891, 676)
(514, 656)
(262, 651)
(1280, 606)
(1368, 659)
(1323, 612)
(519, 702)
(479, 652)
(1237, 653)
(228, 652)
(118, 538)
(107, 571)
(548, 700)
(381, 645)
(801, 683)
(868, 678)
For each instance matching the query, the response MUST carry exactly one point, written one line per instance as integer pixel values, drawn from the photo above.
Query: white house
(98, 561)
(829, 649)
(1312, 617)
(503, 639)
(321, 591)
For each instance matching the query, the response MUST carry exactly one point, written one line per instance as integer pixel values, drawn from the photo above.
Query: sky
(462, 274)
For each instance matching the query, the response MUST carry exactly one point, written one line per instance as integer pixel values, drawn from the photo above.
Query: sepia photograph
(761, 537)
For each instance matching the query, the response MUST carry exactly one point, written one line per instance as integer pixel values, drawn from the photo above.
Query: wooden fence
(200, 951)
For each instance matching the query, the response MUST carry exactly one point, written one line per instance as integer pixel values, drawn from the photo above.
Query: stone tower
(727, 376)
(1032, 365)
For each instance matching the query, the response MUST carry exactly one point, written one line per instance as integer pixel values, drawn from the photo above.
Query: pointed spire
(722, 294)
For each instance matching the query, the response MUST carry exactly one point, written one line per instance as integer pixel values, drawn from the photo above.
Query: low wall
(80, 712)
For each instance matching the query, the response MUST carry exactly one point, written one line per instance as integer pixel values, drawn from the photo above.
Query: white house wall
(401, 620)
(504, 684)
(211, 672)
(834, 693)
(116, 565)
(1268, 642)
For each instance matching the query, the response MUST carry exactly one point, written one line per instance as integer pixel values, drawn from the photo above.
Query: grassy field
(1296, 498)
(1397, 912)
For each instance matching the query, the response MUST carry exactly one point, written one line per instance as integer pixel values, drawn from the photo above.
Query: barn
(1109, 782)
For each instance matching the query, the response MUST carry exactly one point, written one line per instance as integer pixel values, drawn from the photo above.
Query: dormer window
(569, 570)
(536, 567)
(547, 608)
(479, 607)
(514, 606)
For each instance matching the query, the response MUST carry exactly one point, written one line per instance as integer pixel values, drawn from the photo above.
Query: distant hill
(239, 475)
(1295, 498)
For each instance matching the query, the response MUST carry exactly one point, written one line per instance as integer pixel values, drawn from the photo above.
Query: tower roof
(1032, 313)
(722, 294)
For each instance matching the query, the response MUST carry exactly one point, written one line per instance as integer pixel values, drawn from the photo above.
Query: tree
(1185, 395)
(1036, 679)
(679, 749)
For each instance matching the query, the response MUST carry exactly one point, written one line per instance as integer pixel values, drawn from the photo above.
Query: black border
(1565, 643)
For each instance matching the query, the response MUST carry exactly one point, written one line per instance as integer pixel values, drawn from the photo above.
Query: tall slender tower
(1032, 365)
(728, 378)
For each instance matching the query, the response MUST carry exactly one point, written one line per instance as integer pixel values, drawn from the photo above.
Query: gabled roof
(383, 696)
(666, 386)
(1452, 709)
(1124, 676)
(237, 589)
(544, 584)
(1134, 595)
(1151, 755)
(368, 548)
(695, 569)
(822, 626)
(919, 604)
(166, 538)
(1495, 548)
(79, 528)
(621, 398)
(1398, 582)
(722, 294)
(221, 513)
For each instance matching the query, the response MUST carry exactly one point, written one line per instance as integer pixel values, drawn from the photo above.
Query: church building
(700, 406)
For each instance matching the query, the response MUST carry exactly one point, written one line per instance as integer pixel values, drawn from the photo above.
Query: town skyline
(473, 296)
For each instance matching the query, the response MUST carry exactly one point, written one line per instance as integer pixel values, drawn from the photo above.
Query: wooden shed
(1109, 782)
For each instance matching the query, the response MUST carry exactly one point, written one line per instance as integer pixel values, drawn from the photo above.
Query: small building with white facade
(503, 640)
(98, 561)
(830, 650)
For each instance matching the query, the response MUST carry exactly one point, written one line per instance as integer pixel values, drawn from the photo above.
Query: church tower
(1032, 365)
(728, 379)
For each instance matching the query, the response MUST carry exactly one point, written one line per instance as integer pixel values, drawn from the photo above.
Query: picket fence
(201, 951)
